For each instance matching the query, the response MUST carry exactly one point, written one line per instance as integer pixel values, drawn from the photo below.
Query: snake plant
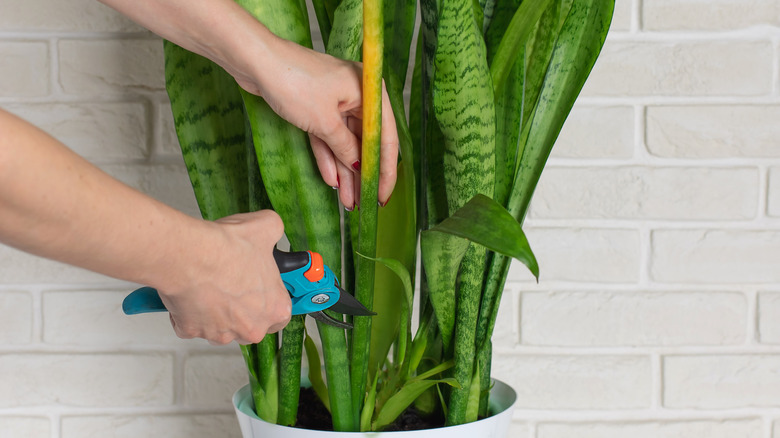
(493, 82)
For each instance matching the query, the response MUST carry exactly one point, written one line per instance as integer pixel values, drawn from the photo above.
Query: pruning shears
(313, 288)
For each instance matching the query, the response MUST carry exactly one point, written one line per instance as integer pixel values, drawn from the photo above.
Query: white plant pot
(502, 402)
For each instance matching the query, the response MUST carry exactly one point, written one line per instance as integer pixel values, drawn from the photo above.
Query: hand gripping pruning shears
(313, 288)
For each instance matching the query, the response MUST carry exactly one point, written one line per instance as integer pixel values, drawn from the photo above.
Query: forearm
(57, 205)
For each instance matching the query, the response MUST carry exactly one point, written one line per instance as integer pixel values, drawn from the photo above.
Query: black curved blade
(349, 305)
(327, 319)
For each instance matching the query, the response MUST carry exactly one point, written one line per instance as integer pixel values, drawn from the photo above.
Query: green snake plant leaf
(373, 50)
(576, 50)
(383, 340)
(346, 37)
(515, 37)
(403, 398)
(484, 221)
(315, 371)
(209, 119)
(308, 207)
(463, 106)
(472, 407)
(441, 256)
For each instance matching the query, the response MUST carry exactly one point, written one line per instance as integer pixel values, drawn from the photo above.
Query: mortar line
(752, 332)
(637, 24)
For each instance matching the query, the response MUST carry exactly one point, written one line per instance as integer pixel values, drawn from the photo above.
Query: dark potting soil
(312, 414)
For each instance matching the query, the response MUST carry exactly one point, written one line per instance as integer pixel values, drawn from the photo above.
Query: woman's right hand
(232, 290)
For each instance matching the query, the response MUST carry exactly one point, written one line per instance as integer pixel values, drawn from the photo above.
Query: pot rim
(502, 399)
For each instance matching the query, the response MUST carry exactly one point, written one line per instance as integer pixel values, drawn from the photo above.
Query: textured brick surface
(769, 317)
(633, 318)
(682, 68)
(577, 382)
(713, 131)
(747, 428)
(773, 208)
(27, 427)
(716, 256)
(647, 193)
(72, 16)
(17, 267)
(16, 317)
(99, 132)
(86, 379)
(131, 426)
(597, 132)
(582, 255)
(25, 69)
(721, 381)
(708, 15)
(211, 379)
(94, 67)
(95, 318)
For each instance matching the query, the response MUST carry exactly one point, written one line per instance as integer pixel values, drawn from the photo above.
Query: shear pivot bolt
(320, 299)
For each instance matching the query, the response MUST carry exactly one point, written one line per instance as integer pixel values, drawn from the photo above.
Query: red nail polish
(338, 182)
(385, 203)
(356, 166)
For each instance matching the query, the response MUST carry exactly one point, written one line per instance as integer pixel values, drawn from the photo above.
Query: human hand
(233, 290)
(322, 95)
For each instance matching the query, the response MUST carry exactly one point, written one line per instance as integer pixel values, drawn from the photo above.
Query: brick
(16, 318)
(681, 193)
(518, 430)
(77, 15)
(621, 17)
(97, 131)
(597, 132)
(211, 379)
(201, 425)
(713, 131)
(506, 330)
(721, 428)
(721, 381)
(769, 317)
(95, 318)
(577, 382)
(582, 254)
(167, 183)
(715, 256)
(25, 69)
(581, 319)
(683, 68)
(773, 203)
(27, 427)
(18, 267)
(96, 67)
(661, 15)
(86, 379)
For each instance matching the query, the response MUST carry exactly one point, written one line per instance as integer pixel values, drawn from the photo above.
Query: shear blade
(327, 319)
(349, 305)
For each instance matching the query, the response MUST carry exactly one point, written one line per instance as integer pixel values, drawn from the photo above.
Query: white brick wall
(656, 224)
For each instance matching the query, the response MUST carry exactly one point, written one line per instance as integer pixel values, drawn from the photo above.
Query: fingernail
(349, 209)
(382, 204)
(338, 183)
(356, 166)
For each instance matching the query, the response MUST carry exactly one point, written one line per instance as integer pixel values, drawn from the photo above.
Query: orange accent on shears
(317, 269)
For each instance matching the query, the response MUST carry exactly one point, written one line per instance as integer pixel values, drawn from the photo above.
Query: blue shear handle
(143, 300)
(308, 296)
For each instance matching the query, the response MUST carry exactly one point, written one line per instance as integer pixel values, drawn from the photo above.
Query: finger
(347, 187)
(326, 162)
(388, 159)
(343, 143)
